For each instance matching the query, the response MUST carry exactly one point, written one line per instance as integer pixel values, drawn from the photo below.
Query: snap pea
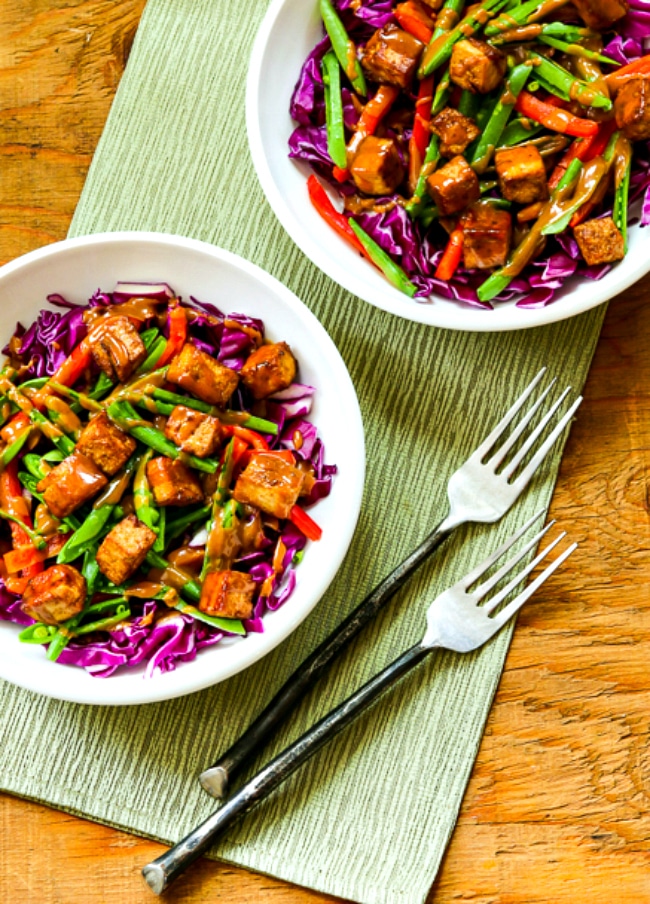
(522, 14)
(11, 451)
(448, 17)
(334, 110)
(262, 425)
(38, 633)
(571, 87)
(622, 190)
(343, 47)
(493, 130)
(440, 48)
(393, 273)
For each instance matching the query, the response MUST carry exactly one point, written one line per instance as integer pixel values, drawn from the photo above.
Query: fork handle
(160, 873)
(216, 779)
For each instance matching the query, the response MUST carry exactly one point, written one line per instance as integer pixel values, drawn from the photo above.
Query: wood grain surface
(557, 810)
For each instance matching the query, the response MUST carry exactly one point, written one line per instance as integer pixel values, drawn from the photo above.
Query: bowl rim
(441, 312)
(78, 686)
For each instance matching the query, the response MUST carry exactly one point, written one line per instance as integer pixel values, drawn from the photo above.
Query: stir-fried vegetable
(462, 127)
(148, 477)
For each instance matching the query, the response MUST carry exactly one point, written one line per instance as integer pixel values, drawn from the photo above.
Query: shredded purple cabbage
(157, 636)
(392, 228)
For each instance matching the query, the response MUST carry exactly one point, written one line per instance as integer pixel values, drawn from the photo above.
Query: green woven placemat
(369, 817)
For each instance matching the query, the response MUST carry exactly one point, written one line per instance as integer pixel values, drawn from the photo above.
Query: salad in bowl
(484, 153)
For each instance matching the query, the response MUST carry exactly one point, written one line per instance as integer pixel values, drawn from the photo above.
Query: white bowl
(76, 268)
(289, 31)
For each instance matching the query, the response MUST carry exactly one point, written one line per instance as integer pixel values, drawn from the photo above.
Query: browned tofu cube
(391, 57)
(228, 594)
(172, 482)
(487, 233)
(194, 432)
(632, 109)
(455, 131)
(105, 444)
(268, 369)
(600, 14)
(71, 483)
(116, 347)
(477, 66)
(202, 376)
(454, 186)
(270, 483)
(55, 595)
(123, 550)
(600, 241)
(521, 174)
(376, 167)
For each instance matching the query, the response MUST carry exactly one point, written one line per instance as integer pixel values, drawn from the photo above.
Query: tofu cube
(172, 482)
(477, 66)
(55, 595)
(391, 56)
(116, 347)
(600, 241)
(632, 109)
(228, 594)
(600, 14)
(71, 483)
(202, 376)
(521, 174)
(124, 549)
(269, 369)
(487, 233)
(376, 168)
(454, 186)
(455, 131)
(270, 483)
(194, 432)
(105, 444)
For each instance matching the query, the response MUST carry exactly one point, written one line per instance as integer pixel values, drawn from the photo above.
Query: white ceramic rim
(73, 684)
(341, 264)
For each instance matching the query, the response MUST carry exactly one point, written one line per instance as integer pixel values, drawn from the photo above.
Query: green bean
(448, 17)
(500, 279)
(440, 48)
(11, 451)
(227, 417)
(153, 357)
(393, 273)
(621, 192)
(343, 47)
(501, 113)
(564, 81)
(125, 417)
(334, 110)
(576, 50)
(522, 14)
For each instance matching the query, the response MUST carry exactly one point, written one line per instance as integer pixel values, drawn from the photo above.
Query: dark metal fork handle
(217, 778)
(160, 873)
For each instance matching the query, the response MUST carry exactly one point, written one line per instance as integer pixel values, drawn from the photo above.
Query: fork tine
(490, 440)
(541, 453)
(521, 454)
(482, 567)
(508, 611)
(503, 593)
(499, 454)
(484, 588)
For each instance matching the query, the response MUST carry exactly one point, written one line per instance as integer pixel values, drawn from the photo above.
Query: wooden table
(557, 808)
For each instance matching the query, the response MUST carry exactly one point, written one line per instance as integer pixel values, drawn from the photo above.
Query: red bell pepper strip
(341, 175)
(414, 20)
(615, 80)
(420, 136)
(577, 151)
(248, 436)
(554, 118)
(319, 198)
(451, 256)
(305, 524)
(376, 108)
(13, 501)
(74, 365)
(177, 319)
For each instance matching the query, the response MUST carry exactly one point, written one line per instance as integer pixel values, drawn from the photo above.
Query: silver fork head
(456, 621)
(479, 491)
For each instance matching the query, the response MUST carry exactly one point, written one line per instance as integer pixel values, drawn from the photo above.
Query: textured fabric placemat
(369, 817)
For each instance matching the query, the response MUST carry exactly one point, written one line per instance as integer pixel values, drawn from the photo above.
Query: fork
(455, 621)
(478, 492)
